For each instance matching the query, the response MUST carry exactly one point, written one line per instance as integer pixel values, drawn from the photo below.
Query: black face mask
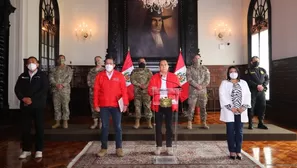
(255, 64)
(141, 65)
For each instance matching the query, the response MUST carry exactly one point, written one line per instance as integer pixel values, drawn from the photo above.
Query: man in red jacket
(109, 88)
(158, 83)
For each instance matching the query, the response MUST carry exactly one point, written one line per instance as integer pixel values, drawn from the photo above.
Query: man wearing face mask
(198, 77)
(31, 89)
(109, 88)
(60, 78)
(258, 80)
(140, 78)
(90, 80)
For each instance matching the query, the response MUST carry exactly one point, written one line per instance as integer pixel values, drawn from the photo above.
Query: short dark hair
(109, 58)
(32, 57)
(254, 57)
(237, 70)
(162, 59)
(62, 56)
(97, 57)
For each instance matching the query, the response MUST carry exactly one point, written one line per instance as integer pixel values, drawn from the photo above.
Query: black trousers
(29, 115)
(167, 113)
(258, 104)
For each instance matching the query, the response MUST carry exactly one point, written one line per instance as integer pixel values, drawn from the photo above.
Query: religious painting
(152, 35)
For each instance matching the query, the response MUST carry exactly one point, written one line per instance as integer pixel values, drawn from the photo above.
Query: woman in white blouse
(235, 98)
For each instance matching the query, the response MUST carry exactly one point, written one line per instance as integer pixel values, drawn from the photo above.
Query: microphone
(178, 86)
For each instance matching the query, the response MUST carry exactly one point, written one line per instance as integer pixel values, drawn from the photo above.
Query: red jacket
(172, 81)
(107, 92)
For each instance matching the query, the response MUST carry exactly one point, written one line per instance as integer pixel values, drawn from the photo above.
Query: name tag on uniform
(36, 77)
(252, 72)
(25, 77)
(116, 79)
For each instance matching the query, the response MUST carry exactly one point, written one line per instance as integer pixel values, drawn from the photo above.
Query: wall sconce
(222, 32)
(83, 32)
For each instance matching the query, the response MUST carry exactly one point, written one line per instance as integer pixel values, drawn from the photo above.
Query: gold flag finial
(128, 48)
(179, 49)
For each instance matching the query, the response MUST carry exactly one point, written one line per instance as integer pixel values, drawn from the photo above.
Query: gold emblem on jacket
(165, 102)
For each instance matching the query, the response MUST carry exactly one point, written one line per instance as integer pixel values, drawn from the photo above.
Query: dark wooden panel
(5, 10)
(283, 94)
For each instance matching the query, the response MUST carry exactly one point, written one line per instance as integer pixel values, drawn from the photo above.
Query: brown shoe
(120, 152)
(102, 153)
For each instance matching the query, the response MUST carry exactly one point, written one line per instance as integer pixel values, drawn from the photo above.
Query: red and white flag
(180, 71)
(126, 71)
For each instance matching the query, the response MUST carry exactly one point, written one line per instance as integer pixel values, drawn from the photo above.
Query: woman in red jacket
(158, 83)
(109, 87)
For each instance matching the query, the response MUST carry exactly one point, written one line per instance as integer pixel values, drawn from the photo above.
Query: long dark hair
(237, 70)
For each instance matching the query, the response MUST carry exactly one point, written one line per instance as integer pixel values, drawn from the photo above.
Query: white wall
(210, 14)
(284, 26)
(23, 41)
(95, 14)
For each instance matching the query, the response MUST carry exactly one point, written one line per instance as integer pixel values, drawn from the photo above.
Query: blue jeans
(116, 115)
(234, 134)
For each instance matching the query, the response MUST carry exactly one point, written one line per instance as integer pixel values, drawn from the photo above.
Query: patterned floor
(139, 154)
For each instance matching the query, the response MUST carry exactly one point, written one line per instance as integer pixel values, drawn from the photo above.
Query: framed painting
(150, 34)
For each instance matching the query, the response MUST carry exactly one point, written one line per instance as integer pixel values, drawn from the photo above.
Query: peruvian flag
(180, 71)
(126, 71)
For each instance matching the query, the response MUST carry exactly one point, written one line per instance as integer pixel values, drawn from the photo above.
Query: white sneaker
(38, 154)
(25, 154)
(158, 151)
(170, 151)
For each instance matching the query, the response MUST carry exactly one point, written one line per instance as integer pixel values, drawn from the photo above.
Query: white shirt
(109, 75)
(31, 74)
(163, 87)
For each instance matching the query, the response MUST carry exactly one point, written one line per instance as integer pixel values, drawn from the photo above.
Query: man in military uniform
(140, 78)
(60, 78)
(91, 79)
(198, 77)
(257, 79)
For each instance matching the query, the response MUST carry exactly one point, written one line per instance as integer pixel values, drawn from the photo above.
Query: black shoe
(262, 126)
(239, 157)
(250, 127)
(232, 157)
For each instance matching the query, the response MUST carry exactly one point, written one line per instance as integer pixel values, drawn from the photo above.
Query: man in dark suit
(31, 89)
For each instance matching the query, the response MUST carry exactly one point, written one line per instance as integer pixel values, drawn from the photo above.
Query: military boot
(57, 125)
(137, 124)
(261, 125)
(95, 123)
(149, 124)
(65, 123)
(204, 125)
(189, 125)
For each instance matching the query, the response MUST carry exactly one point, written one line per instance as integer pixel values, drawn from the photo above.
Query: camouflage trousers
(91, 99)
(145, 99)
(197, 100)
(61, 105)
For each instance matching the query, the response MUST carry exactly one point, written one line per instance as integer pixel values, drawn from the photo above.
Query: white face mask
(233, 75)
(109, 67)
(32, 67)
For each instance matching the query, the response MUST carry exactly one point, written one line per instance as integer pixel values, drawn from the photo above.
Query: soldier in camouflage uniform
(198, 77)
(60, 78)
(140, 78)
(91, 79)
